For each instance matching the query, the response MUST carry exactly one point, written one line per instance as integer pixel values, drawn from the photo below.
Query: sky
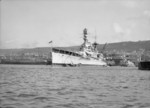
(33, 23)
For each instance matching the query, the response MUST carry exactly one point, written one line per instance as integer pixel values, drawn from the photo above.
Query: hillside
(120, 46)
(129, 46)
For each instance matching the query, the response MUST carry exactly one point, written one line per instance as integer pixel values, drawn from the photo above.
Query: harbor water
(44, 86)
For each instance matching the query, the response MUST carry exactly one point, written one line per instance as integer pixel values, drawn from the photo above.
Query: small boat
(87, 55)
(144, 62)
(144, 65)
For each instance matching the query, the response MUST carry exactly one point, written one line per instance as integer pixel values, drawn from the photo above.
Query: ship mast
(95, 43)
(85, 35)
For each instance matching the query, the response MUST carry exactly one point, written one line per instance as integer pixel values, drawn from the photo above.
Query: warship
(87, 55)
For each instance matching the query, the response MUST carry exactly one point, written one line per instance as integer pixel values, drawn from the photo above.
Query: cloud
(147, 13)
(10, 41)
(130, 4)
(19, 43)
(118, 29)
(119, 32)
(30, 44)
(22, 43)
(123, 33)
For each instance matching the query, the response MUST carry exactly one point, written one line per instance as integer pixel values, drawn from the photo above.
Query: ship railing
(65, 52)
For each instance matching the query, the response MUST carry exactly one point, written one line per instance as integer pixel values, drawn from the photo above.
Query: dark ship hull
(144, 65)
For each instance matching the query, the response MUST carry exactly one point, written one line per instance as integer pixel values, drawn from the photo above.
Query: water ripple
(26, 86)
(26, 95)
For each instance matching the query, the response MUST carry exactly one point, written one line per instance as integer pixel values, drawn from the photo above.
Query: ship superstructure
(87, 55)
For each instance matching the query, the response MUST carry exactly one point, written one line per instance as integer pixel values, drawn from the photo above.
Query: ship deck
(65, 52)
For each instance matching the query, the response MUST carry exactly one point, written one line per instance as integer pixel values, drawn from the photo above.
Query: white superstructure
(87, 55)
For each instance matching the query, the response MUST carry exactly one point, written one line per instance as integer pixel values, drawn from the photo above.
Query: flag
(50, 42)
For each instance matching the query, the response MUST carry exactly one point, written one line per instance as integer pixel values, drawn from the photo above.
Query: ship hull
(68, 59)
(144, 65)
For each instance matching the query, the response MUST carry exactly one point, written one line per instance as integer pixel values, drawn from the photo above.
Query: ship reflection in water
(41, 86)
